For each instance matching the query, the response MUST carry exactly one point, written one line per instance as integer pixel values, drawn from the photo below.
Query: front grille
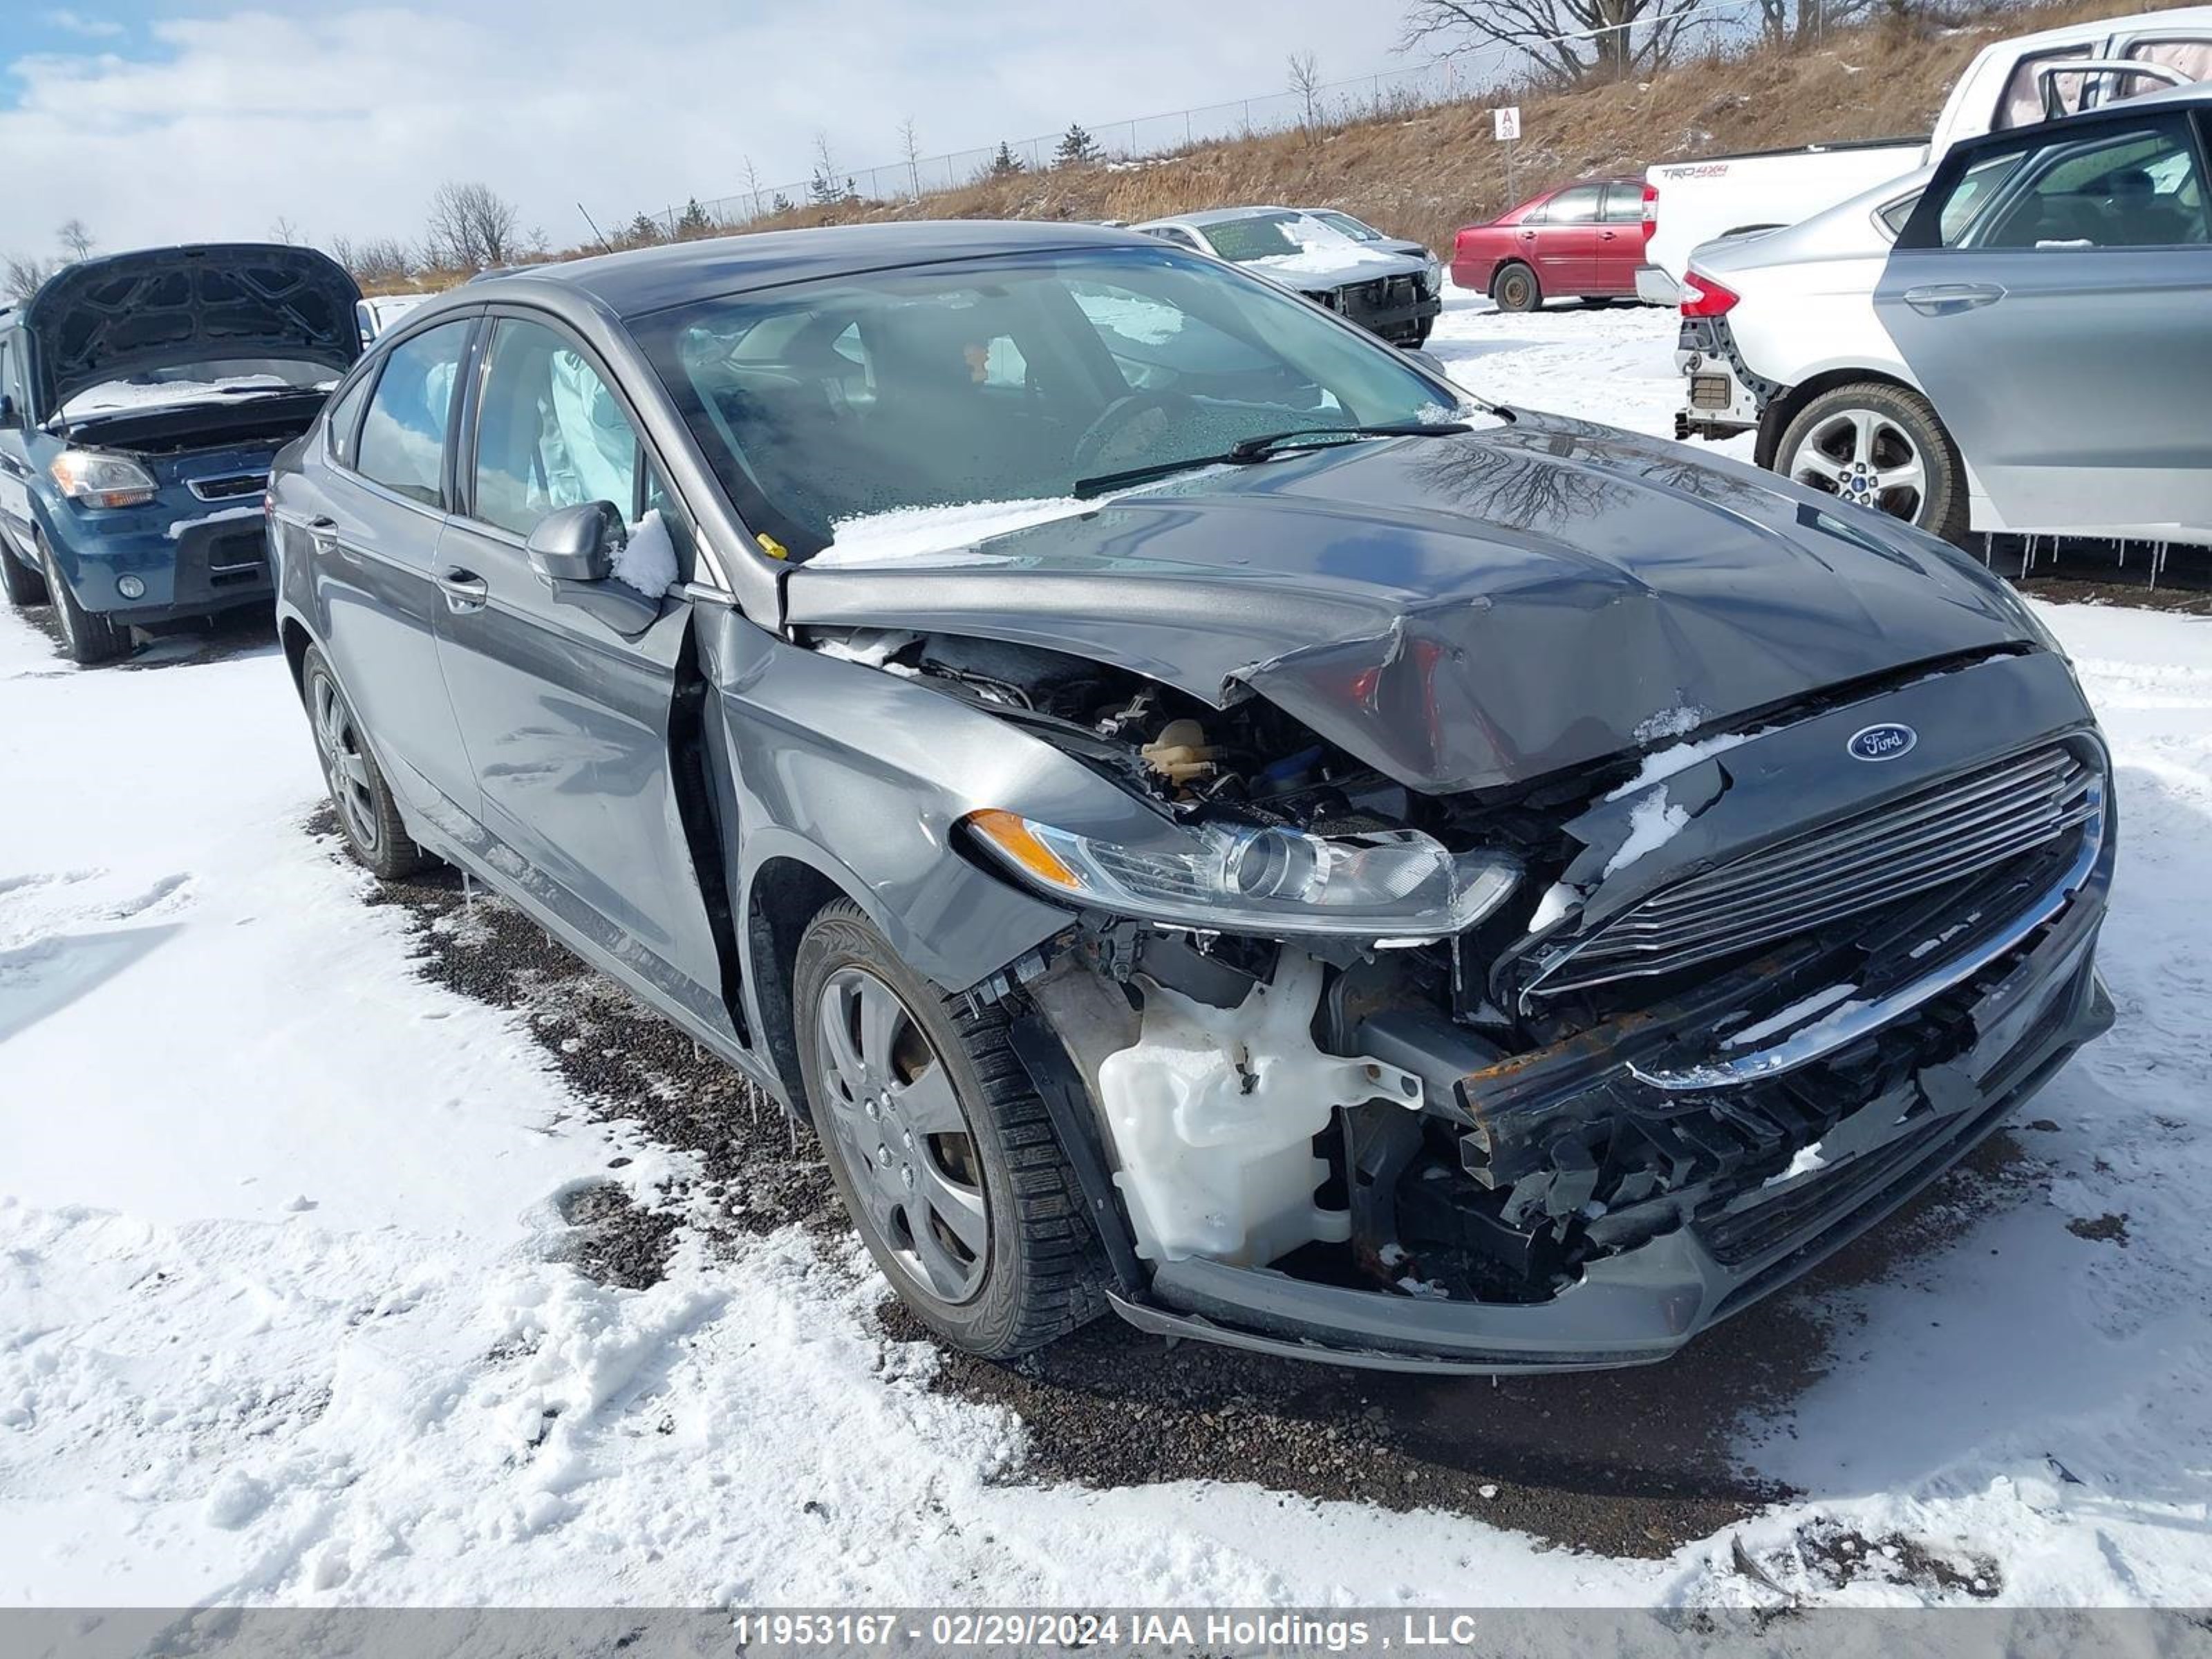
(230, 487)
(1944, 833)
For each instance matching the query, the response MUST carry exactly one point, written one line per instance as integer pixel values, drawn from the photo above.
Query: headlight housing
(1432, 279)
(98, 479)
(1255, 879)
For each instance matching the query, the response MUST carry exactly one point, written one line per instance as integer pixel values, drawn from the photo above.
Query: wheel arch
(1774, 419)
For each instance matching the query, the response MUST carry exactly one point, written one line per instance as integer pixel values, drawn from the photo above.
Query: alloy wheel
(60, 606)
(1867, 459)
(906, 1140)
(338, 741)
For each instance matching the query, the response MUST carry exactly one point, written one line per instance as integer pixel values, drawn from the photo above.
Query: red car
(1585, 239)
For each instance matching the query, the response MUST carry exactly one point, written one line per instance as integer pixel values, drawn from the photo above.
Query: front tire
(1879, 445)
(90, 638)
(369, 817)
(25, 586)
(1515, 288)
(943, 1154)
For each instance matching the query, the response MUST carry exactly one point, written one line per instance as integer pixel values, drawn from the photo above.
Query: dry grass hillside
(1425, 174)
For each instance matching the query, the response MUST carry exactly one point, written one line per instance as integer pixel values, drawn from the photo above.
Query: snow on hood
(111, 396)
(931, 532)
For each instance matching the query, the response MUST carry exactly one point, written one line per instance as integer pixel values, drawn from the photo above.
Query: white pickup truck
(2009, 83)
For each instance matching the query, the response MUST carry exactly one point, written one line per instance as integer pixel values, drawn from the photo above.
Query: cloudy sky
(167, 120)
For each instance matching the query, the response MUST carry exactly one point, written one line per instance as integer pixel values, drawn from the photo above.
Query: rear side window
(1624, 205)
(2132, 187)
(403, 440)
(2189, 57)
(1577, 206)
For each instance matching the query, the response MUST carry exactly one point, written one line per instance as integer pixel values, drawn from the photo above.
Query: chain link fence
(1491, 71)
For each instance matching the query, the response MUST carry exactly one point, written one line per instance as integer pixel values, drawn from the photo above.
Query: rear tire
(90, 638)
(369, 817)
(1515, 288)
(945, 1157)
(25, 586)
(1883, 447)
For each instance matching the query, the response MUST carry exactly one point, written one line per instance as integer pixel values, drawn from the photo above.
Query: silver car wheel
(1865, 458)
(907, 1142)
(345, 768)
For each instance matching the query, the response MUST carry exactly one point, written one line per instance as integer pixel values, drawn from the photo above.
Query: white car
(2010, 83)
(2014, 339)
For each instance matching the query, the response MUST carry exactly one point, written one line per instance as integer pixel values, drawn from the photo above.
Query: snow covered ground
(286, 1311)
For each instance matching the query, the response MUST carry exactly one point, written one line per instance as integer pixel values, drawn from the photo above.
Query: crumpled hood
(1462, 612)
(132, 313)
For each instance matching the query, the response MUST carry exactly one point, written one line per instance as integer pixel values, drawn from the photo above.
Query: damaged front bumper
(1879, 967)
(1644, 1303)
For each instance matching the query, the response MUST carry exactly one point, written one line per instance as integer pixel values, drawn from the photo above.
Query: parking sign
(1505, 124)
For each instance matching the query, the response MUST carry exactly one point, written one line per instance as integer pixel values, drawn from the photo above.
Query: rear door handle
(464, 590)
(323, 537)
(1947, 298)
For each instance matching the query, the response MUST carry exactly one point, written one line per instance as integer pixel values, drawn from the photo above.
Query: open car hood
(1461, 612)
(131, 314)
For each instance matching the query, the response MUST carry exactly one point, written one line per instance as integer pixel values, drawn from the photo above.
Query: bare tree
(1568, 41)
(1305, 81)
(471, 227)
(20, 277)
(285, 231)
(752, 186)
(1800, 22)
(77, 242)
(380, 260)
(910, 148)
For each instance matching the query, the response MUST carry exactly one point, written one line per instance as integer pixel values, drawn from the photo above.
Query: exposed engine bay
(1678, 1016)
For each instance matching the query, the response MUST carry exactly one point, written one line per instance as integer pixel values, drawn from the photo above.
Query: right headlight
(98, 479)
(1258, 879)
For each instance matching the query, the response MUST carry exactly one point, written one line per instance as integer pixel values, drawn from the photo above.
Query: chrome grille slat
(1936, 843)
(1938, 836)
(1628, 964)
(1873, 832)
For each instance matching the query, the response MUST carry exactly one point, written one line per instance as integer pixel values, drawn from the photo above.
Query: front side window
(2133, 187)
(403, 439)
(550, 433)
(2020, 104)
(1578, 206)
(1010, 379)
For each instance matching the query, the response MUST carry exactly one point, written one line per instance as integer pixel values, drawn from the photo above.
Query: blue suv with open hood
(141, 399)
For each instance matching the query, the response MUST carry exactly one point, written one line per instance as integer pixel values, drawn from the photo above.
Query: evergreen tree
(644, 228)
(694, 221)
(1076, 147)
(1005, 164)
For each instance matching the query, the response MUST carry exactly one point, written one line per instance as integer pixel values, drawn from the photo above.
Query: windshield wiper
(1245, 451)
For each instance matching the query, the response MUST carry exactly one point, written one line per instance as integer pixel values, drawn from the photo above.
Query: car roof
(1220, 216)
(652, 278)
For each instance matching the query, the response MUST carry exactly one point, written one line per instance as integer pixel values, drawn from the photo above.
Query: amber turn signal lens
(1010, 833)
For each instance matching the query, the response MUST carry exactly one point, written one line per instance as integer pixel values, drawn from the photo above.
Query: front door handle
(464, 590)
(1607, 235)
(1948, 299)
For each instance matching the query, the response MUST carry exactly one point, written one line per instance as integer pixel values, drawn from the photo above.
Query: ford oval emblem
(1881, 743)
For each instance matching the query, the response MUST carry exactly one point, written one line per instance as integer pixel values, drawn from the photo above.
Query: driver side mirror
(577, 544)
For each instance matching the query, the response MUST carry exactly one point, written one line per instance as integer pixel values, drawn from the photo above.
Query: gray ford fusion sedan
(1202, 817)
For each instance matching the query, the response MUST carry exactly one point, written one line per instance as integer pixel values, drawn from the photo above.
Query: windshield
(227, 380)
(1261, 236)
(1345, 224)
(1005, 379)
